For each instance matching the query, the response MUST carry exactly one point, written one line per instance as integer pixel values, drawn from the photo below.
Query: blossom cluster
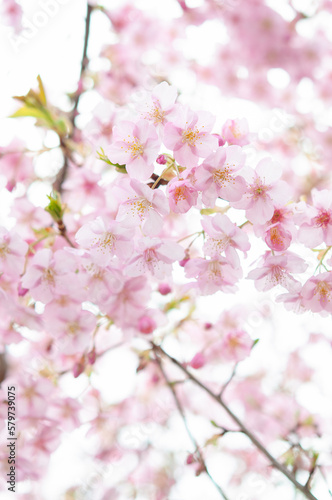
(159, 216)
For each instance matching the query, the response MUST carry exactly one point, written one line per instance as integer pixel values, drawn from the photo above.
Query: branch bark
(191, 436)
(277, 465)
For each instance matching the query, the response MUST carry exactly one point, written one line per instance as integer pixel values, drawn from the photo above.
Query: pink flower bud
(92, 356)
(190, 459)
(21, 291)
(221, 141)
(161, 160)
(10, 185)
(79, 368)
(198, 361)
(164, 289)
(184, 261)
(146, 324)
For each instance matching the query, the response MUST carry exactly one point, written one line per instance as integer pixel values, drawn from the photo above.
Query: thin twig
(191, 436)
(226, 384)
(241, 425)
(62, 174)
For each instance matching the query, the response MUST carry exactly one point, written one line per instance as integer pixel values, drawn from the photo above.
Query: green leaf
(102, 156)
(55, 208)
(42, 95)
(28, 111)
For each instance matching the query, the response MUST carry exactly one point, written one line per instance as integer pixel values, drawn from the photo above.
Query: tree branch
(277, 465)
(191, 436)
(62, 174)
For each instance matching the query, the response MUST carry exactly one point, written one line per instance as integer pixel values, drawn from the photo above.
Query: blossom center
(150, 255)
(323, 219)
(324, 291)
(277, 275)
(157, 115)
(179, 193)
(190, 136)
(214, 270)
(140, 206)
(48, 276)
(73, 328)
(3, 251)
(136, 147)
(258, 189)
(277, 216)
(222, 177)
(106, 242)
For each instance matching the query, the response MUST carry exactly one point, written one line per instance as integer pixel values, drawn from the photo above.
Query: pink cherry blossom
(319, 228)
(215, 176)
(12, 253)
(49, 274)
(127, 305)
(188, 136)
(158, 105)
(72, 328)
(33, 393)
(277, 238)
(154, 256)
(12, 14)
(317, 293)
(263, 191)
(105, 239)
(276, 270)
(236, 131)
(182, 195)
(236, 346)
(213, 275)
(224, 236)
(137, 146)
(147, 207)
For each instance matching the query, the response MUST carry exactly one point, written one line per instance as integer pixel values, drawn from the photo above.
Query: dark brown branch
(277, 465)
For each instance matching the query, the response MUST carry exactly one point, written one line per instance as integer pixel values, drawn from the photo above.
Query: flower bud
(164, 289)
(198, 361)
(21, 291)
(79, 367)
(146, 324)
(161, 160)
(92, 356)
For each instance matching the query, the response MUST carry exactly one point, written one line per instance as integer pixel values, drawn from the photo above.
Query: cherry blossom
(104, 240)
(147, 207)
(136, 145)
(50, 274)
(154, 256)
(236, 132)
(236, 346)
(12, 252)
(319, 229)
(317, 293)
(213, 274)
(188, 135)
(157, 106)
(215, 176)
(112, 323)
(263, 191)
(276, 270)
(224, 236)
